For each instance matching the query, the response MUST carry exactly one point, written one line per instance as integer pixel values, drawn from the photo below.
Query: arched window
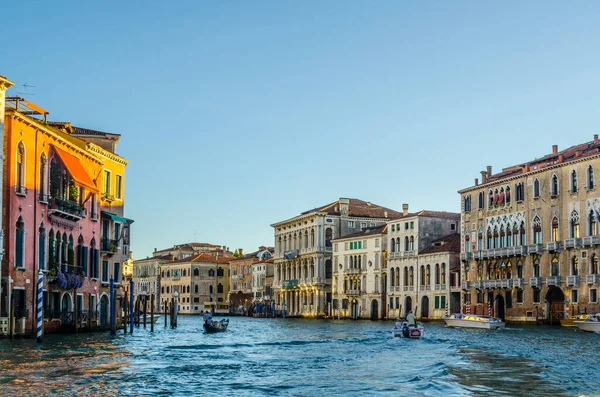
(554, 267)
(481, 200)
(443, 274)
(405, 243)
(392, 274)
(574, 181)
(20, 169)
(592, 226)
(554, 185)
(397, 244)
(574, 266)
(496, 237)
(51, 250)
(502, 236)
(20, 243)
(428, 275)
(393, 245)
(536, 188)
(467, 244)
(211, 272)
(480, 239)
(489, 238)
(210, 290)
(405, 276)
(397, 277)
(168, 290)
(188, 289)
(507, 195)
(555, 234)
(490, 199)
(220, 272)
(467, 203)
(411, 245)
(328, 236)
(43, 189)
(590, 177)
(574, 224)
(520, 268)
(537, 230)
(220, 288)
(312, 237)
(422, 275)
(306, 239)
(437, 273)
(411, 276)
(509, 238)
(196, 271)
(594, 264)
(523, 234)
(42, 247)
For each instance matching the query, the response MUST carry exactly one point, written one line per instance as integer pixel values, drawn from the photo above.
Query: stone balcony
(553, 281)
(592, 279)
(479, 284)
(477, 255)
(466, 286)
(553, 246)
(590, 241)
(352, 292)
(465, 256)
(353, 271)
(516, 250)
(573, 243)
(572, 281)
(535, 249)
(535, 282)
(518, 283)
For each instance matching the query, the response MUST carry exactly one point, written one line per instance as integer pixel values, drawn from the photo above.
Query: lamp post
(174, 310)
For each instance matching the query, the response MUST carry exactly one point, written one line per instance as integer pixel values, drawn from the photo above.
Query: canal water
(293, 357)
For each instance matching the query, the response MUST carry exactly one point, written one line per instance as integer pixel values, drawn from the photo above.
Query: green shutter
(42, 252)
(84, 260)
(443, 306)
(19, 248)
(437, 302)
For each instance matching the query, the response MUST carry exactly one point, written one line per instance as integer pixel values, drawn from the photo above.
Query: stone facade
(530, 237)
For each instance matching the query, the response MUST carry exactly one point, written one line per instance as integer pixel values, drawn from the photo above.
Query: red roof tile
(450, 243)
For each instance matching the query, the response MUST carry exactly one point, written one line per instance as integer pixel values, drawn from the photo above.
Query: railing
(553, 281)
(535, 249)
(66, 317)
(486, 253)
(590, 241)
(44, 198)
(477, 255)
(353, 271)
(478, 284)
(504, 283)
(553, 246)
(465, 256)
(516, 250)
(66, 208)
(319, 248)
(108, 245)
(394, 255)
(352, 292)
(518, 283)
(466, 286)
(21, 190)
(535, 282)
(573, 243)
(572, 281)
(289, 284)
(593, 279)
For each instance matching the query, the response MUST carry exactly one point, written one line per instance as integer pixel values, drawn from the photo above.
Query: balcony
(353, 271)
(425, 288)
(573, 243)
(553, 246)
(109, 246)
(593, 279)
(478, 284)
(504, 283)
(517, 283)
(477, 255)
(65, 209)
(21, 190)
(310, 250)
(514, 251)
(535, 249)
(352, 292)
(590, 241)
(465, 256)
(572, 281)
(466, 286)
(553, 281)
(290, 284)
(485, 254)
(394, 255)
(489, 284)
(535, 282)
(501, 252)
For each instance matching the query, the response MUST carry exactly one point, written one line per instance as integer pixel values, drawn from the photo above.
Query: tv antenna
(25, 87)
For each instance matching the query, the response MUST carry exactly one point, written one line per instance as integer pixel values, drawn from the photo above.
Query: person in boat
(411, 318)
(398, 324)
(208, 318)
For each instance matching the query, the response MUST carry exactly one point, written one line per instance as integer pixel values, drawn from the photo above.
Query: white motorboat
(460, 320)
(591, 324)
(408, 331)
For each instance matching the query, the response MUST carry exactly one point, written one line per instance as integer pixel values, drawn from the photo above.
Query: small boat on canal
(408, 331)
(570, 322)
(216, 326)
(591, 324)
(459, 320)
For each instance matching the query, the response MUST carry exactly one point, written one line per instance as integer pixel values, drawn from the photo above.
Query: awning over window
(76, 170)
(114, 217)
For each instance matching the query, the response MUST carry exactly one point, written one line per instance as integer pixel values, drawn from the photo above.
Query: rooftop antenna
(25, 87)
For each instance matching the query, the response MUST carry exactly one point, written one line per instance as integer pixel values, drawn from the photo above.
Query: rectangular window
(351, 224)
(346, 246)
(105, 271)
(397, 302)
(393, 228)
(106, 190)
(117, 272)
(519, 296)
(405, 225)
(391, 303)
(453, 226)
(574, 296)
(117, 231)
(480, 297)
(412, 224)
(437, 302)
(119, 187)
(371, 224)
(443, 302)
(363, 225)
(593, 295)
(335, 247)
(536, 295)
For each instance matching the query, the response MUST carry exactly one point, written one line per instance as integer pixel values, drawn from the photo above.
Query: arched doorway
(354, 309)
(374, 310)
(425, 307)
(407, 305)
(555, 301)
(104, 310)
(66, 308)
(499, 307)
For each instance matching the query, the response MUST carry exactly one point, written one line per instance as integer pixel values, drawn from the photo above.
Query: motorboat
(590, 324)
(460, 320)
(570, 322)
(212, 327)
(408, 331)
(149, 319)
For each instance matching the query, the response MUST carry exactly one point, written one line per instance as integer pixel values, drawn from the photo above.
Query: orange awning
(76, 170)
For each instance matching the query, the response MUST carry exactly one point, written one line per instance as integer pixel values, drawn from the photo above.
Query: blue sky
(235, 115)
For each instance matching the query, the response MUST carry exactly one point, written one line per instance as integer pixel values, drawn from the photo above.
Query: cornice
(103, 152)
(299, 217)
(515, 177)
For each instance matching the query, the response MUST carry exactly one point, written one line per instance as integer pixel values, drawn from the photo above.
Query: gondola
(216, 326)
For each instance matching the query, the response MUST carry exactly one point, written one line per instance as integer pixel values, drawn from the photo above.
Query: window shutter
(437, 302)
(42, 252)
(443, 301)
(84, 260)
(19, 248)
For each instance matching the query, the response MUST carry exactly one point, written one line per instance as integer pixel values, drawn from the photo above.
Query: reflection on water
(304, 357)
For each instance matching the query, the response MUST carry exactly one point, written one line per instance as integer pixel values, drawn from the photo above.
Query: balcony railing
(109, 246)
(553, 246)
(466, 286)
(290, 284)
(66, 209)
(478, 284)
(517, 283)
(21, 190)
(465, 256)
(394, 255)
(590, 241)
(353, 271)
(535, 249)
(572, 281)
(486, 253)
(516, 250)
(477, 255)
(573, 243)
(553, 281)
(352, 292)
(593, 279)
(535, 282)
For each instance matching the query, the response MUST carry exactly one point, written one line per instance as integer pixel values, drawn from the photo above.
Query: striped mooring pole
(40, 304)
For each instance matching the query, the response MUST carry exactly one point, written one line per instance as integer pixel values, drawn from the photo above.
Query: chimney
(404, 209)
(476, 181)
(483, 177)
(596, 138)
(560, 158)
(577, 153)
(241, 251)
(489, 171)
(554, 149)
(344, 204)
